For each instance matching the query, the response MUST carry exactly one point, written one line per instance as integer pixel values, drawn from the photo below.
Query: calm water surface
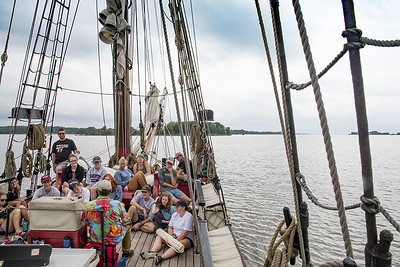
(256, 183)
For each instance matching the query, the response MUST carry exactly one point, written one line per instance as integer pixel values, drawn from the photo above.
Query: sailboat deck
(142, 242)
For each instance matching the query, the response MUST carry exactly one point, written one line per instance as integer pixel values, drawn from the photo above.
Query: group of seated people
(103, 190)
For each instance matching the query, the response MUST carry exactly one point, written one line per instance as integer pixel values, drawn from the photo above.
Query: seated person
(124, 175)
(181, 168)
(14, 214)
(180, 227)
(93, 177)
(116, 220)
(167, 177)
(46, 190)
(140, 211)
(72, 171)
(140, 170)
(13, 198)
(77, 190)
(13, 194)
(116, 191)
(163, 210)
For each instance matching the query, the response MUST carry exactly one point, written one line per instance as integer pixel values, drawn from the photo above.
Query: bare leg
(170, 252)
(15, 221)
(132, 213)
(24, 212)
(157, 245)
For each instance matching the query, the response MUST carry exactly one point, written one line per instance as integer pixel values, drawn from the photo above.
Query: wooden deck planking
(143, 242)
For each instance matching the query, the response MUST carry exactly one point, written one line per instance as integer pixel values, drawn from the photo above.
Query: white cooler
(56, 213)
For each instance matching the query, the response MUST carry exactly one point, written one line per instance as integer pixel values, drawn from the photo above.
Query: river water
(256, 184)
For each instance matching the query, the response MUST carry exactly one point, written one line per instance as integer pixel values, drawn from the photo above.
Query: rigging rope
(4, 56)
(325, 128)
(283, 121)
(40, 162)
(381, 43)
(302, 181)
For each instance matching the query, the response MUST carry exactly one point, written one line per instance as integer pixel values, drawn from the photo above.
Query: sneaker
(158, 259)
(147, 254)
(127, 255)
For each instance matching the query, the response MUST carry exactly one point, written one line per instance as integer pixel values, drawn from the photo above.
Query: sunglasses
(73, 160)
(3, 200)
(60, 133)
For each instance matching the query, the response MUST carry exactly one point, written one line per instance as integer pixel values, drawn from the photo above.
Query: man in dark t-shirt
(61, 150)
(181, 168)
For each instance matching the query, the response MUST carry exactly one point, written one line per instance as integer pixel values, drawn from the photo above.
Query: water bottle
(35, 240)
(67, 242)
(25, 225)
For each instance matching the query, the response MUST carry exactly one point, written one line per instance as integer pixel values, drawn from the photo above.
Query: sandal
(21, 233)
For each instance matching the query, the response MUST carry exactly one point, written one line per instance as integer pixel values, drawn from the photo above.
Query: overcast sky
(234, 73)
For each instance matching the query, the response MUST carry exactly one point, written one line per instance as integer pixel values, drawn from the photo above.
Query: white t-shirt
(180, 224)
(85, 194)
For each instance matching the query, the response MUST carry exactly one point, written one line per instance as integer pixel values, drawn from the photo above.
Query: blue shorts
(175, 192)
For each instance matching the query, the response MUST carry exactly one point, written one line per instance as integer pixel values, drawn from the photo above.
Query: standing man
(168, 182)
(116, 220)
(93, 177)
(61, 150)
(181, 168)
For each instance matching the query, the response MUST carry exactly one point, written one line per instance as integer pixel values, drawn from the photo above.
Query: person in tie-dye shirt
(115, 219)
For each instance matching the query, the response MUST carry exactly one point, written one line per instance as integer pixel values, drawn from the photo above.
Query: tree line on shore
(172, 128)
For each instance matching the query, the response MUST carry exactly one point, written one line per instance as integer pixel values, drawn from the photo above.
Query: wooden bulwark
(143, 241)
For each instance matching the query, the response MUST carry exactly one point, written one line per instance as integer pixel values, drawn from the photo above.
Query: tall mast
(115, 32)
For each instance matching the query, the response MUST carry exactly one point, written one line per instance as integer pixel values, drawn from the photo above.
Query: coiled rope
(131, 160)
(40, 162)
(36, 136)
(113, 160)
(276, 257)
(10, 169)
(325, 128)
(211, 169)
(27, 163)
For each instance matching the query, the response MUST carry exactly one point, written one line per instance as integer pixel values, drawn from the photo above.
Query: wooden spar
(362, 124)
(122, 114)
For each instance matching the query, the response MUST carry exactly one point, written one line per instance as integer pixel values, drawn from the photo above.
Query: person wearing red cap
(46, 190)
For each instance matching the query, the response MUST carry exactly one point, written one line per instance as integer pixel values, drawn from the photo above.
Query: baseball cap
(104, 185)
(146, 188)
(171, 160)
(45, 178)
(178, 154)
(96, 159)
(181, 202)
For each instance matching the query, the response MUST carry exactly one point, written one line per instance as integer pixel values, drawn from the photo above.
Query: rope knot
(353, 45)
(370, 205)
(352, 32)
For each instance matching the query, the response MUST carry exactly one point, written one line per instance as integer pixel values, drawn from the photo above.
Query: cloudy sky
(234, 73)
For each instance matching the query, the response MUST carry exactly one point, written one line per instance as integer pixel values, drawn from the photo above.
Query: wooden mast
(122, 114)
